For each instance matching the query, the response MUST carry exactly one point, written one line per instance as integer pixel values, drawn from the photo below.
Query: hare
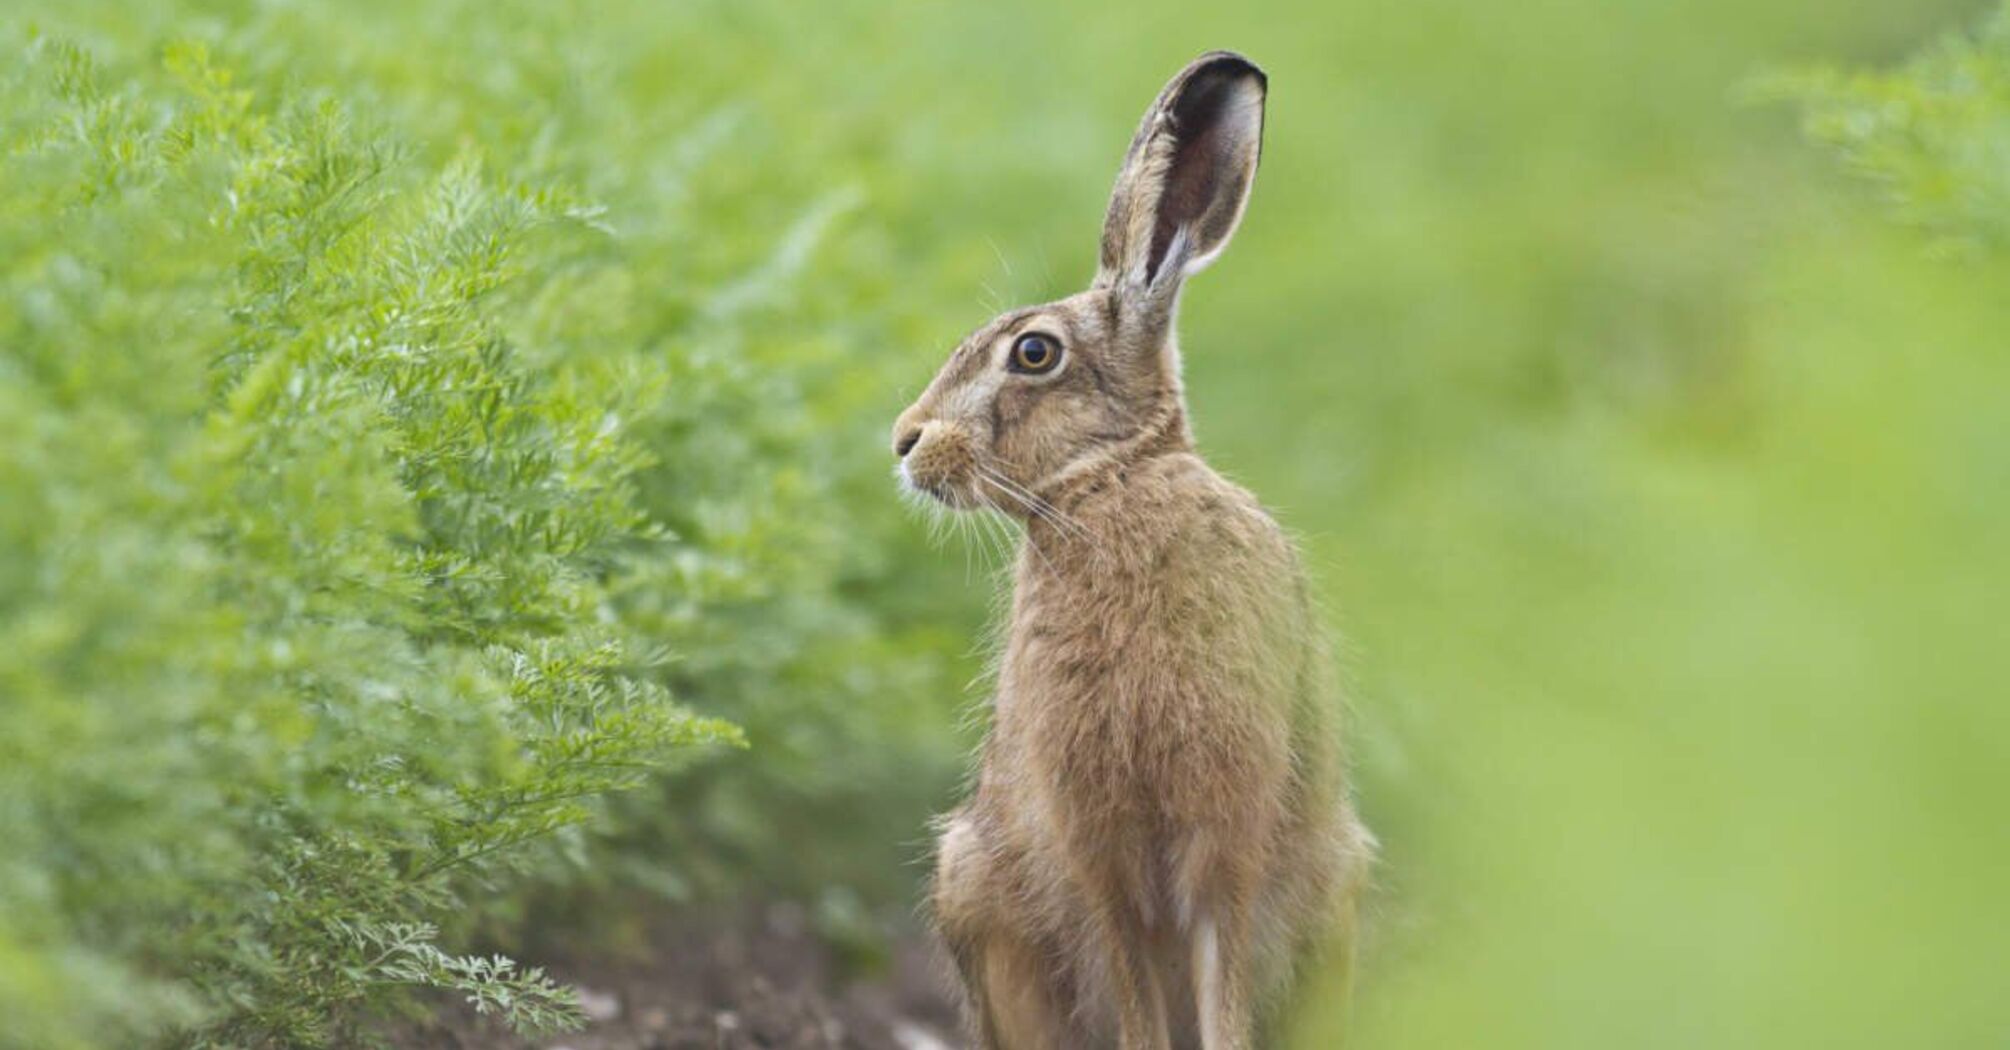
(1160, 827)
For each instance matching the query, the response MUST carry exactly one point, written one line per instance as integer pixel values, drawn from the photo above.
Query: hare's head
(1046, 391)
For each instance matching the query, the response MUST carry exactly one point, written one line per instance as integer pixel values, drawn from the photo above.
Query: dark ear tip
(1228, 63)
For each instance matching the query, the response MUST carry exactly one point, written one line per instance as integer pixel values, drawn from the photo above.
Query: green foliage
(365, 501)
(304, 556)
(1932, 136)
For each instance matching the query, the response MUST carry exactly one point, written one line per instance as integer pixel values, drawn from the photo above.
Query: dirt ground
(759, 981)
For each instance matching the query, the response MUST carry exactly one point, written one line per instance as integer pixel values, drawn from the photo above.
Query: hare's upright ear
(1187, 176)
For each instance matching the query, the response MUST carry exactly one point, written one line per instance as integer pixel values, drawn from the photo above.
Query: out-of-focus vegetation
(1931, 134)
(416, 419)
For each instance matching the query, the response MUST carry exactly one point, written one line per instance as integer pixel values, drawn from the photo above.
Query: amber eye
(1034, 353)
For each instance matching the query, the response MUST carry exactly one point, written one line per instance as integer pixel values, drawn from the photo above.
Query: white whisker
(1035, 505)
(1002, 524)
(1030, 544)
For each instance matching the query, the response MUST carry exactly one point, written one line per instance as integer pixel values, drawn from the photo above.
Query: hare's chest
(1098, 689)
(1129, 694)
(1066, 645)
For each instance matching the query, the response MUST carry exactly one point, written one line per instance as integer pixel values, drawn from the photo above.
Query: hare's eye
(1034, 353)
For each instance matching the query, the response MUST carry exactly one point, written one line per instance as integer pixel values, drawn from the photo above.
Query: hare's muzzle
(936, 458)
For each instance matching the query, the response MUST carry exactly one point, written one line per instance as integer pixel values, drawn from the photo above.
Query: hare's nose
(906, 442)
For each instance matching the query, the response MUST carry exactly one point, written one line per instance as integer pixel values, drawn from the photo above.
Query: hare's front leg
(1012, 993)
(1115, 939)
(1134, 982)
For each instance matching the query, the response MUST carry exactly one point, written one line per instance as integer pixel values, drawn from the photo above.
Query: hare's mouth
(950, 491)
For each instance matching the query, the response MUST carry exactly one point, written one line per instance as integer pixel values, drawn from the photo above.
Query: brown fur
(1160, 827)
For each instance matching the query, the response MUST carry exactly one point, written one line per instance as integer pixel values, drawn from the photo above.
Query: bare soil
(760, 980)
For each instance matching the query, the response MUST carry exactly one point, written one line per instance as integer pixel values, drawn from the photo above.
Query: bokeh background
(416, 417)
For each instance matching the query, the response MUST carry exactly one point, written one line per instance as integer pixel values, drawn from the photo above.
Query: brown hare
(1160, 828)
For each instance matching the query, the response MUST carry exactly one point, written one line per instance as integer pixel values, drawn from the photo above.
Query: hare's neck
(1104, 518)
(1164, 433)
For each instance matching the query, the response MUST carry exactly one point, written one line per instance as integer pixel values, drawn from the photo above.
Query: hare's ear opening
(1187, 176)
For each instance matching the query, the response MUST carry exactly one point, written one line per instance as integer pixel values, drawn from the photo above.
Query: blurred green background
(1639, 391)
